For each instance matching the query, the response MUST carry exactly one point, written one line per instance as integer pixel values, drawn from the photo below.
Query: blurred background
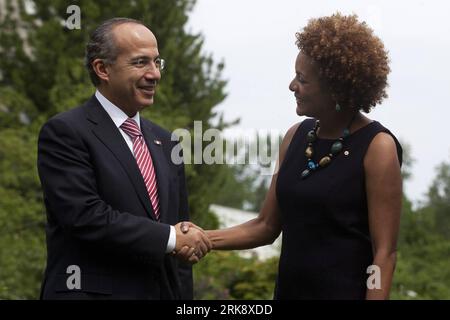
(229, 64)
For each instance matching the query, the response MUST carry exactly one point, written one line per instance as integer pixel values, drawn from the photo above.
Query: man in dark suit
(115, 201)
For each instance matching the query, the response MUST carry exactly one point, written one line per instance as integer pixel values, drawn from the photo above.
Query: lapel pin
(346, 152)
(158, 142)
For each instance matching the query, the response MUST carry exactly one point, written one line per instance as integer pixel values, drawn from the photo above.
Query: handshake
(192, 242)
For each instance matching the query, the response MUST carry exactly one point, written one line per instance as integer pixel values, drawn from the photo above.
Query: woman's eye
(301, 79)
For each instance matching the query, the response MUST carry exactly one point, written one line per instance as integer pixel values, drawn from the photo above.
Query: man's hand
(192, 243)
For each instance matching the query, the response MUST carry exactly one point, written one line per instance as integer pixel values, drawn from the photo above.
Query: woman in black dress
(337, 194)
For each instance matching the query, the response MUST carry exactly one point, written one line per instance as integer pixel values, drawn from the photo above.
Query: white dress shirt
(119, 117)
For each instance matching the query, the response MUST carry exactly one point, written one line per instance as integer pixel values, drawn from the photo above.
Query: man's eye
(158, 62)
(140, 62)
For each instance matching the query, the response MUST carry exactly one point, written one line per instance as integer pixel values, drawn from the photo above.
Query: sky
(256, 40)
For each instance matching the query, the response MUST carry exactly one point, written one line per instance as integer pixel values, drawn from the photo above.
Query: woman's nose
(292, 86)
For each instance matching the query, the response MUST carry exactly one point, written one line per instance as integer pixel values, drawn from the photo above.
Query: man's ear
(101, 69)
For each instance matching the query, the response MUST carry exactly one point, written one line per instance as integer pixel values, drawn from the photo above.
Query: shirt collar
(116, 114)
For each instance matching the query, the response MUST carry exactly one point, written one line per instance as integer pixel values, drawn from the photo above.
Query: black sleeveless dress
(326, 246)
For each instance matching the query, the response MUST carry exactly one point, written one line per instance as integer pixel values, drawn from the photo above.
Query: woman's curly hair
(351, 59)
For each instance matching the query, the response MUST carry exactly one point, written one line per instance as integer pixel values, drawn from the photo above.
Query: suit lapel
(109, 134)
(161, 167)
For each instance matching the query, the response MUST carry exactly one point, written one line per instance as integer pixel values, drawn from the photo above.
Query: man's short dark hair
(102, 45)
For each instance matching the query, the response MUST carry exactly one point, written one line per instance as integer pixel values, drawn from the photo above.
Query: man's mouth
(149, 90)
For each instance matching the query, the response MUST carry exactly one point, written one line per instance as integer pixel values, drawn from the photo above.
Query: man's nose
(153, 74)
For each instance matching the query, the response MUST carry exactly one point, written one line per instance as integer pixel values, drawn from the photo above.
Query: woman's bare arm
(384, 199)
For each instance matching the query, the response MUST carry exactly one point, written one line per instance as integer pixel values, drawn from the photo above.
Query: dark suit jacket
(99, 213)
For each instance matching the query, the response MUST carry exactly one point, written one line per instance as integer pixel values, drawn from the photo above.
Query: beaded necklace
(336, 148)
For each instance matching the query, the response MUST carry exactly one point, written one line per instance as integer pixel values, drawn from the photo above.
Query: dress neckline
(351, 134)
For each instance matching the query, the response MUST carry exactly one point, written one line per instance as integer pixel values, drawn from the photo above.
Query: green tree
(423, 258)
(439, 200)
(42, 73)
(226, 275)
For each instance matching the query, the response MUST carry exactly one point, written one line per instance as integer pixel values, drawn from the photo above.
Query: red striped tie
(144, 161)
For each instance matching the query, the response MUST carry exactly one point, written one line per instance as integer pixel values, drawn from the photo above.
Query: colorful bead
(346, 133)
(311, 136)
(305, 173)
(309, 152)
(311, 165)
(336, 147)
(324, 161)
